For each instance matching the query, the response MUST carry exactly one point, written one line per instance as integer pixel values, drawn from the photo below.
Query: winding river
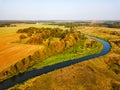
(33, 73)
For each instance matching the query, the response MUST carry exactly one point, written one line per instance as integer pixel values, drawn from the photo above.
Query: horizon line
(58, 20)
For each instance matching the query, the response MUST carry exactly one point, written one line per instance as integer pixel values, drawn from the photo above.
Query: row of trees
(109, 24)
(39, 35)
(112, 32)
(7, 25)
(34, 30)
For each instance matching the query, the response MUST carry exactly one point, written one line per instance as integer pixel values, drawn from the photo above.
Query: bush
(22, 37)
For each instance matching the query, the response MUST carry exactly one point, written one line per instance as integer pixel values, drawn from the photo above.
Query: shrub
(22, 37)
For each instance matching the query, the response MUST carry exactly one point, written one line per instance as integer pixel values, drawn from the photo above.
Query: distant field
(10, 53)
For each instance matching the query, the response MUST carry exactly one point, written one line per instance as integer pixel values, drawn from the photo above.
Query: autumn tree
(22, 36)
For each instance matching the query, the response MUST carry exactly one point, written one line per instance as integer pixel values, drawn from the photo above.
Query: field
(10, 53)
(101, 73)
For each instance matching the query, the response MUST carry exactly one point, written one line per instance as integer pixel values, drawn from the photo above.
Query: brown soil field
(10, 53)
(11, 48)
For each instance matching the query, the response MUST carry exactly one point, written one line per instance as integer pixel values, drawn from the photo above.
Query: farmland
(10, 52)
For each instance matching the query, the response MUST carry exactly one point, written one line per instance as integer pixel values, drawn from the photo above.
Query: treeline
(111, 24)
(68, 24)
(7, 25)
(45, 32)
(112, 33)
(42, 35)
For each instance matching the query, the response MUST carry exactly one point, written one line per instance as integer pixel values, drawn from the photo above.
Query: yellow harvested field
(10, 53)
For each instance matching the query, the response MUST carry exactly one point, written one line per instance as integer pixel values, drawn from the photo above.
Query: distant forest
(91, 24)
(108, 24)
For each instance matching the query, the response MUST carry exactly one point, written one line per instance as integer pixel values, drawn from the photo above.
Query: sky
(59, 9)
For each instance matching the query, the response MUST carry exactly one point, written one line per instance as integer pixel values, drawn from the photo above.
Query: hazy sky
(59, 9)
